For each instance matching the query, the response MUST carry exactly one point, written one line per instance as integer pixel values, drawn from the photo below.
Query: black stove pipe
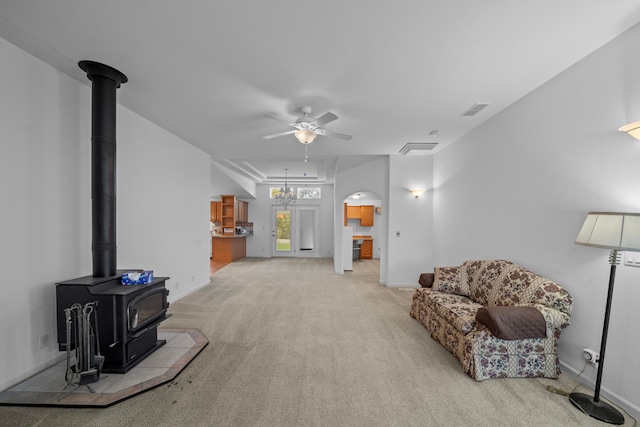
(105, 80)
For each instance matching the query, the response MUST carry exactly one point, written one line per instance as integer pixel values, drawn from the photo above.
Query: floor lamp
(618, 232)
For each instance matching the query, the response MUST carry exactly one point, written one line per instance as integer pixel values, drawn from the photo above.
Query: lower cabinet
(229, 249)
(366, 249)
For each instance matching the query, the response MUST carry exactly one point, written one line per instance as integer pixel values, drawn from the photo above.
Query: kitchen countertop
(228, 236)
(362, 238)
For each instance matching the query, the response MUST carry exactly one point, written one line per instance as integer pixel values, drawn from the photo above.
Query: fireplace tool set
(85, 363)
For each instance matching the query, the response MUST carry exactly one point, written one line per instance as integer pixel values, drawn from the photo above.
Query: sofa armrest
(556, 319)
(513, 322)
(426, 280)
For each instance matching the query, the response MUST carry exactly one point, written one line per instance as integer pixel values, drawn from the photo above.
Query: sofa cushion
(513, 322)
(482, 278)
(516, 286)
(457, 310)
(451, 280)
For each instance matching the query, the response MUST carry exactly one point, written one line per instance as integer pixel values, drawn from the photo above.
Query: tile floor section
(49, 387)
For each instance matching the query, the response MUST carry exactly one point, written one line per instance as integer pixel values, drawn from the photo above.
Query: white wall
(410, 253)
(45, 222)
(163, 204)
(403, 258)
(519, 187)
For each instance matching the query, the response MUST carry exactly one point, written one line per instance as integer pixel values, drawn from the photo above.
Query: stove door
(147, 308)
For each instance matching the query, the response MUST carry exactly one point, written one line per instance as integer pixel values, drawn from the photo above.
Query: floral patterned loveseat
(499, 319)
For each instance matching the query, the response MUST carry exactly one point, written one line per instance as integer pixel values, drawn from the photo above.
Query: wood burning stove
(127, 317)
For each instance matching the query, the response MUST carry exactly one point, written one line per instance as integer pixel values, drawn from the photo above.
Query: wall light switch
(632, 259)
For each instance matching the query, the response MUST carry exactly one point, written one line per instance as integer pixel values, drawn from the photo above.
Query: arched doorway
(363, 236)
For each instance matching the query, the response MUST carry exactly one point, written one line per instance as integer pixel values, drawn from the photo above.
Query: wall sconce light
(632, 129)
(417, 193)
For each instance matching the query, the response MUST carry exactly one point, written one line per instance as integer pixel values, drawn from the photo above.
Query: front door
(282, 232)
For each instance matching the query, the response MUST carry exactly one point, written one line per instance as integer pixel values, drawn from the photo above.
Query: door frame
(292, 252)
(295, 252)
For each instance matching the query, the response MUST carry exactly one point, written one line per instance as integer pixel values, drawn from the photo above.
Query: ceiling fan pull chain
(305, 152)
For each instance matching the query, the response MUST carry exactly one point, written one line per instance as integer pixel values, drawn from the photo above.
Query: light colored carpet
(293, 344)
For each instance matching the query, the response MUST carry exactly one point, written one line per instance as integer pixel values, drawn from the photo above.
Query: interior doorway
(362, 234)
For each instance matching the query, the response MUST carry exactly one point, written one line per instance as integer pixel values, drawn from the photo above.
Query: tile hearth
(49, 388)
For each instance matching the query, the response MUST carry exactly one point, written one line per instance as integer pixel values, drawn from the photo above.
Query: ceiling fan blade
(281, 120)
(334, 134)
(324, 119)
(275, 135)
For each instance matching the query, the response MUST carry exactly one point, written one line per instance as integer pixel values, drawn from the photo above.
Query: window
(274, 191)
(309, 193)
(302, 193)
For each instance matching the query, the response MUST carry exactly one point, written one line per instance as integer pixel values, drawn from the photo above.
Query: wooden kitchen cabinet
(228, 218)
(353, 212)
(366, 215)
(229, 248)
(366, 249)
(216, 211)
(242, 208)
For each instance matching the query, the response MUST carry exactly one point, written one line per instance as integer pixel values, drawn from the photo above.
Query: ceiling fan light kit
(306, 128)
(306, 136)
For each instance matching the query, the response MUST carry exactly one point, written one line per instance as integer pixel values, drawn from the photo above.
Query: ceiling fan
(306, 128)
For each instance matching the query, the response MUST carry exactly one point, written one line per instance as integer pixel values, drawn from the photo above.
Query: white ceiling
(392, 71)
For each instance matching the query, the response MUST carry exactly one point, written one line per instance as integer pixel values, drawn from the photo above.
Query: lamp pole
(594, 407)
(607, 314)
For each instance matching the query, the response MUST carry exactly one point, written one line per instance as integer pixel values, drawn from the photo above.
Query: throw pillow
(426, 280)
(450, 280)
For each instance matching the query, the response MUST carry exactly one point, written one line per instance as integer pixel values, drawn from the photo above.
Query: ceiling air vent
(418, 148)
(474, 109)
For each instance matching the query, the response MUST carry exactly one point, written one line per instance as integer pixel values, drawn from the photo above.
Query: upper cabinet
(353, 212)
(242, 211)
(366, 215)
(363, 212)
(228, 218)
(229, 212)
(216, 211)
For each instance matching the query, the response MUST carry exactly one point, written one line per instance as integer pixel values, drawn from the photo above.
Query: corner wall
(45, 212)
(410, 233)
(519, 187)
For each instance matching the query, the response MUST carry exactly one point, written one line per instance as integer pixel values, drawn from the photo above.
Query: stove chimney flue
(105, 80)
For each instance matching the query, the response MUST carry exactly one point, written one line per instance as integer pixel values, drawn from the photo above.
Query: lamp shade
(611, 230)
(632, 129)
